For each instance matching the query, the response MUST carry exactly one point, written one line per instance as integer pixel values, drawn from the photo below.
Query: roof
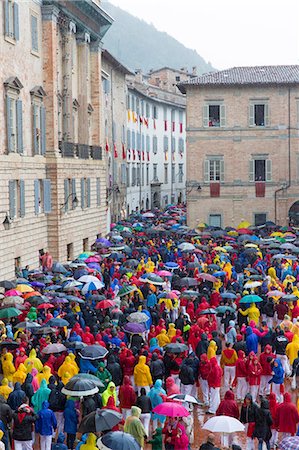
(256, 75)
(115, 63)
(169, 68)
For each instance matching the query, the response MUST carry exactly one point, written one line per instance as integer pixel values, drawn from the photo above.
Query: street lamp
(74, 201)
(7, 221)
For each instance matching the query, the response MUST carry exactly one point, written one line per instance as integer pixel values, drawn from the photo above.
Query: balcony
(83, 151)
(260, 188)
(215, 189)
(67, 149)
(96, 152)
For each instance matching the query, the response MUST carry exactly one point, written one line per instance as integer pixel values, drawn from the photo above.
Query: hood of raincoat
(135, 411)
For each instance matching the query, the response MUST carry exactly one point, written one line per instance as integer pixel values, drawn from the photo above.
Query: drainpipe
(289, 155)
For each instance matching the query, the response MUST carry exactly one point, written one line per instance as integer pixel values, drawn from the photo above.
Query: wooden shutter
(16, 21)
(205, 115)
(34, 34)
(98, 188)
(266, 112)
(12, 198)
(251, 115)
(43, 129)
(22, 198)
(19, 108)
(9, 124)
(222, 116)
(35, 125)
(221, 170)
(207, 171)
(251, 170)
(66, 195)
(6, 24)
(268, 170)
(128, 139)
(73, 188)
(36, 197)
(47, 196)
(82, 193)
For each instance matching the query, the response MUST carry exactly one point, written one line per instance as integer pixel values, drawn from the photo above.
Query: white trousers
(276, 389)
(23, 445)
(254, 391)
(60, 422)
(214, 399)
(125, 412)
(274, 438)
(205, 390)
(45, 442)
(285, 364)
(242, 388)
(229, 376)
(186, 389)
(265, 386)
(146, 419)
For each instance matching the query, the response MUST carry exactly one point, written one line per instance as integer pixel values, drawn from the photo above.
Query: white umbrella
(223, 424)
(88, 279)
(148, 215)
(252, 284)
(186, 247)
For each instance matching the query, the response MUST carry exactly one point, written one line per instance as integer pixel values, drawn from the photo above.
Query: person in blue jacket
(277, 379)
(60, 445)
(71, 416)
(252, 341)
(45, 425)
(86, 366)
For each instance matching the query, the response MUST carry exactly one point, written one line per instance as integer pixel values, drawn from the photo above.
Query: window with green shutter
(12, 198)
(98, 191)
(11, 19)
(34, 33)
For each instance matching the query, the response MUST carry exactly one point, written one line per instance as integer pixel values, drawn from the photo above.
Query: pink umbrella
(207, 277)
(177, 293)
(275, 293)
(171, 409)
(12, 293)
(172, 295)
(165, 273)
(92, 259)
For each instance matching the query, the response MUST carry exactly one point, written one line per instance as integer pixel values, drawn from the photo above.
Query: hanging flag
(115, 150)
(181, 127)
(146, 122)
(142, 155)
(139, 155)
(166, 156)
(165, 125)
(107, 146)
(135, 117)
(134, 156)
(154, 124)
(129, 115)
(173, 157)
(148, 156)
(141, 120)
(129, 153)
(124, 151)
(173, 126)
(181, 154)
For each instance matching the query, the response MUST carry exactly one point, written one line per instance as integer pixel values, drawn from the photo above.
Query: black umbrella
(76, 345)
(118, 440)
(176, 348)
(80, 388)
(93, 352)
(207, 311)
(90, 377)
(43, 330)
(99, 420)
(187, 281)
(7, 284)
(58, 323)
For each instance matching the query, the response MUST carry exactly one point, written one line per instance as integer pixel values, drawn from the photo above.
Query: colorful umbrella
(134, 328)
(54, 348)
(45, 306)
(105, 304)
(57, 322)
(24, 288)
(126, 290)
(80, 388)
(118, 440)
(251, 299)
(138, 317)
(7, 313)
(289, 443)
(12, 292)
(171, 409)
(207, 277)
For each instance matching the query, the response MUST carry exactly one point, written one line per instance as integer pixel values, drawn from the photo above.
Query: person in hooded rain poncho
(277, 379)
(142, 375)
(109, 392)
(5, 390)
(41, 395)
(157, 440)
(134, 426)
(60, 445)
(90, 443)
(16, 397)
(45, 426)
(33, 362)
(20, 374)
(155, 395)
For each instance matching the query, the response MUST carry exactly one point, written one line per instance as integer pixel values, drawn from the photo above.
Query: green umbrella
(251, 299)
(7, 313)
(126, 290)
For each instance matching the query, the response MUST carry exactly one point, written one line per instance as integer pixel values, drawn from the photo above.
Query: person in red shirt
(228, 407)
(127, 363)
(273, 409)
(214, 381)
(287, 417)
(254, 376)
(265, 360)
(88, 337)
(204, 370)
(127, 397)
(228, 363)
(241, 376)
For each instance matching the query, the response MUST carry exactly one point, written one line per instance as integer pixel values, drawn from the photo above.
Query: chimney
(184, 69)
(138, 75)
(194, 70)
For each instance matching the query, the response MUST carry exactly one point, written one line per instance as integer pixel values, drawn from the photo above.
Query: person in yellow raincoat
(67, 366)
(272, 274)
(211, 352)
(33, 362)
(44, 374)
(8, 367)
(20, 375)
(286, 323)
(109, 392)
(90, 443)
(140, 266)
(292, 349)
(253, 313)
(65, 377)
(168, 303)
(228, 269)
(142, 375)
(73, 361)
(171, 331)
(217, 285)
(163, 339)
(149, 266)
(295, 328)
(5, 390)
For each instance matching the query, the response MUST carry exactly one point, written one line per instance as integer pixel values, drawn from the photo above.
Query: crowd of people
(203, 320)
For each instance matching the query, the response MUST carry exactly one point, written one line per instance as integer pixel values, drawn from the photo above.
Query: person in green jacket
(157, 441)
(133, 426)
(104, 375)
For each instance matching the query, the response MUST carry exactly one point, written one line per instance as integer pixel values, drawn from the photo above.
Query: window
(139, 175)
(147, 175)
(42, 196)
(147, 110)
(70, 252)
(177, 78)
(142, 142)
(128, 101)
(181, 145)
(133, 103)
(155, 112)
(142, 175)
(165, 143)
(215, 220)
(155, 171)
(123, 173)
(14, 119)
(85, 193)
(18, 266)
(128, 139)
(148, 144)
(133, 140)
(259, 114)
(60, 118)
(214, 169)
(75, 121)
(85, 244)
(142, 108)
(16, 191)
(134, 176)
(164, 113)
(98, 191)
(214, 115)
(69, 194)
(260, 219)
(11, 19)
(34, 33)
(173, 144)
(155, 145)
(173, 173)
(106, 86)
(138, 144)
(39, 127)
(181, 173)
(260, 169)
(165, 173)
(128, 175)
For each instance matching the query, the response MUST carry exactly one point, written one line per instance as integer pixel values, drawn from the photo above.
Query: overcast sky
(227, 32)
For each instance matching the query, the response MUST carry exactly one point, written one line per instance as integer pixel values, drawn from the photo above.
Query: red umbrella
(45, 306)
(244, 231)
(171, 409)
(207, 277)
(105, 304)
(12, 293)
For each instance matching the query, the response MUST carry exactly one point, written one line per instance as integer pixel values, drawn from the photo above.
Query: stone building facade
(243, 146)
(52, 167)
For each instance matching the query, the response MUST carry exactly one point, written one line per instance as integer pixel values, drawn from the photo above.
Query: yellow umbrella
(233, 233)
(243, 224)
(24, 288)
(220, 249)
(201, 225)
(251, 246)
(276, 234)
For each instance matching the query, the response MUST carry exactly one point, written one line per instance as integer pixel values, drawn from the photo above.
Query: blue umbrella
(228, 295)
(59, 268)
(54, 287)
(221, 273)
(251, 298)
(80, 273)
(118, 440)
(171, 265)
(57, 323)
